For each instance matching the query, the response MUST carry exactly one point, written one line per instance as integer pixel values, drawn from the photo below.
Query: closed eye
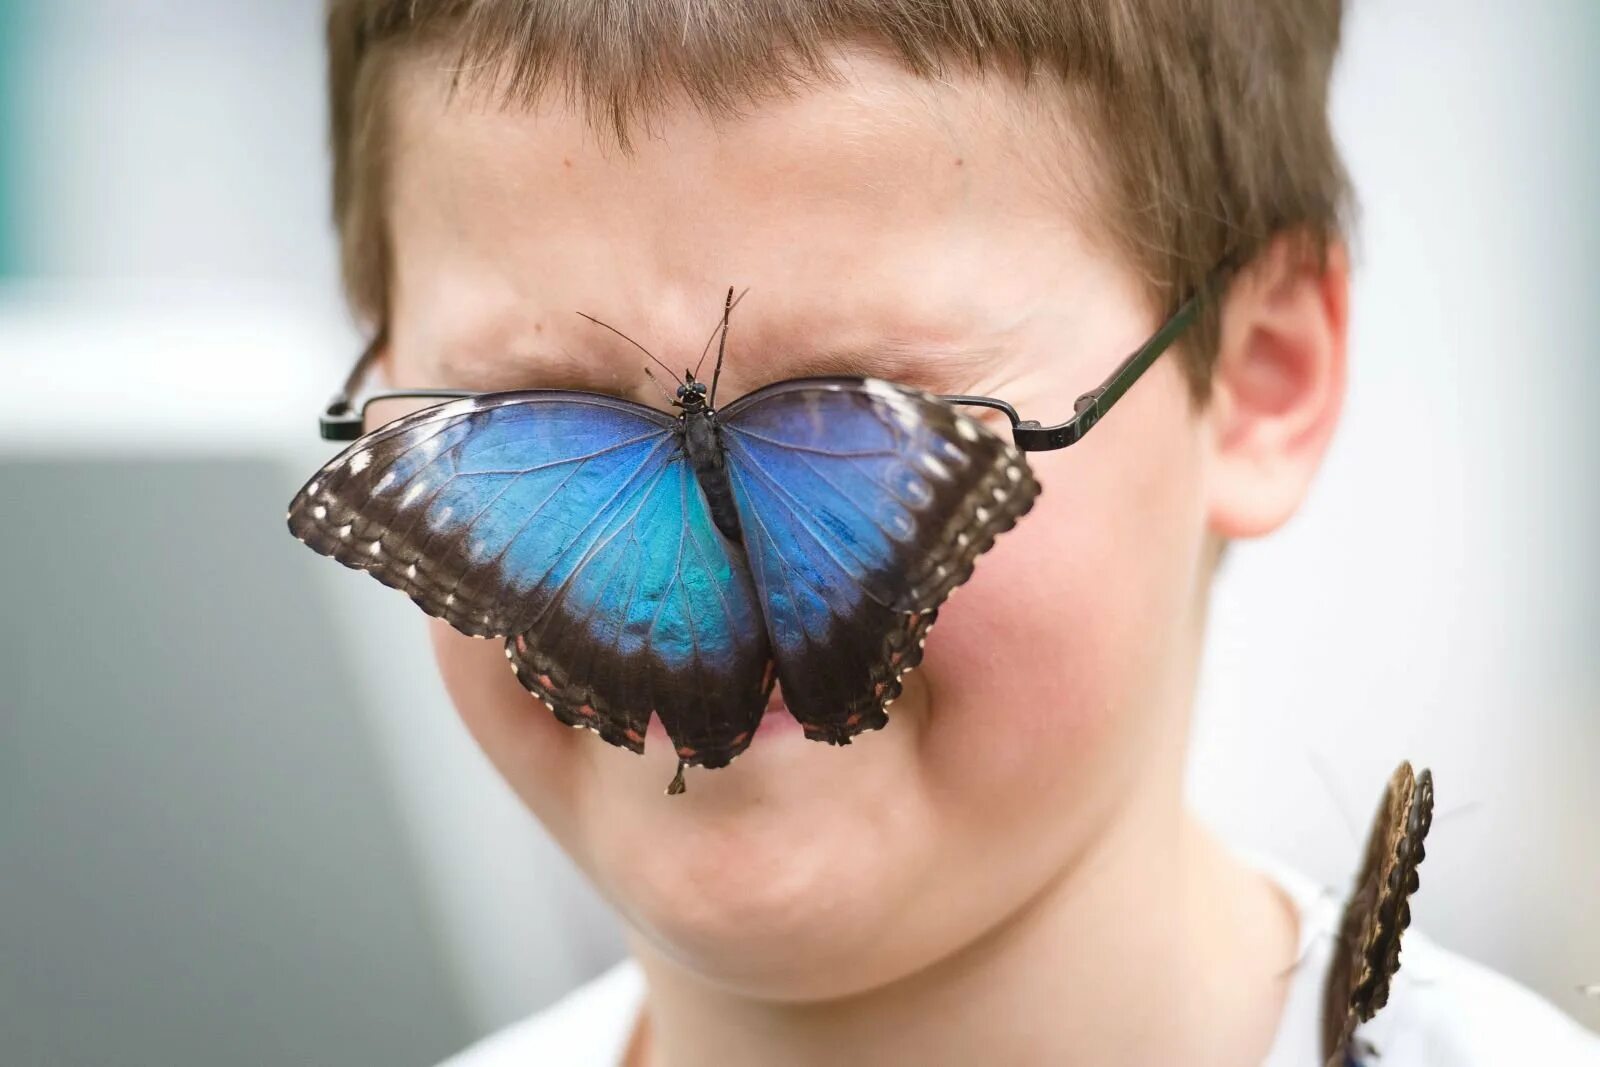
(931, 368)
(538, 371)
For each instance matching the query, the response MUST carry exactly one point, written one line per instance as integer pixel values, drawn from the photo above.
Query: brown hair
(1211, 115)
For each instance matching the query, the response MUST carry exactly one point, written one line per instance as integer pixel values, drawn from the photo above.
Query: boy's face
(885, 226)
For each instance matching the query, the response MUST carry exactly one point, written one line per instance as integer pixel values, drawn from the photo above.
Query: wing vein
(812, 449)
(780, 495)
(559, 593)
(786, 574)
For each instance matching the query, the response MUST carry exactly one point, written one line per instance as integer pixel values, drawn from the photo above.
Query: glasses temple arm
(339, 421)
(1092, 406)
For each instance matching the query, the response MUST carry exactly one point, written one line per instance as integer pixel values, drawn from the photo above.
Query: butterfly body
(702, 444)
(641, 563)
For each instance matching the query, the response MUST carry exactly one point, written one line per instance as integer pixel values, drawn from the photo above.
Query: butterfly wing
(1367, 955)
(658, 613)
(863, 505)
(569, 524)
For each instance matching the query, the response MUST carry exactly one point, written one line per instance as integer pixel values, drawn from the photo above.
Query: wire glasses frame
(343, 420)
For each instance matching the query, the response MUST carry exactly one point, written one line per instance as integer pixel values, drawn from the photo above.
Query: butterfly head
(691, 394)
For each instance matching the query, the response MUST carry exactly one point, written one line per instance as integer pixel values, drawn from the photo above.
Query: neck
(1154, 946)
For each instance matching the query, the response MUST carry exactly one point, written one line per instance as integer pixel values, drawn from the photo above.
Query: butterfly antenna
(631, 341)
(717, 329)
(722, 347)
(671, 399)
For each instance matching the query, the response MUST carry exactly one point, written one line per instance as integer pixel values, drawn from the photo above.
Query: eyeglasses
(346, 420)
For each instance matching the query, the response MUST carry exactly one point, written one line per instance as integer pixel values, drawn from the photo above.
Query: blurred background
(239, 822)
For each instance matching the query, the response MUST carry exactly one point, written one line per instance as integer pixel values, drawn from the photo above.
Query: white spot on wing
(360, 461)
(319, 512)
(904, 411)
(412, 493)
(966, 428)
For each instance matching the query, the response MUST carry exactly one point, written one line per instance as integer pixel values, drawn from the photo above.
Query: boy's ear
(1277, 387)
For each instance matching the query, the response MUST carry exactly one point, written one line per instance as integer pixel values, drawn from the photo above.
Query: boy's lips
(776, 720)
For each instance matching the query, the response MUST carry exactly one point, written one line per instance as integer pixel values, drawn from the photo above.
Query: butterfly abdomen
(703, 444)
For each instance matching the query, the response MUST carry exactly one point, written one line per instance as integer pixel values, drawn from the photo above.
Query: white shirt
(1443, 1011)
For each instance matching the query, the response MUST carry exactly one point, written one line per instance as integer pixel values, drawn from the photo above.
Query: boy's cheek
(531, 748)
(1063, 634)
(1017, 670)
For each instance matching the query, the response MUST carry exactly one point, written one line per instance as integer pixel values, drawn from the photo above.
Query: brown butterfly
(1368, 951)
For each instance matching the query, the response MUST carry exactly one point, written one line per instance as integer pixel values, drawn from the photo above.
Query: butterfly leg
(676, 786)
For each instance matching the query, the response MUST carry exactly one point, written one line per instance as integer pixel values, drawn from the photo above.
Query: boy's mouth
(776, 720)
(777, 724)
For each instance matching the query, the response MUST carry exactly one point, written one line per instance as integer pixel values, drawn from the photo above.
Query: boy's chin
(773, 875)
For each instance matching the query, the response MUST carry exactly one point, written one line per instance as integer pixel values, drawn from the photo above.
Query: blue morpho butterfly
(638, 563)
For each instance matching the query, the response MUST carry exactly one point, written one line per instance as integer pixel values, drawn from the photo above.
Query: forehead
(882, 210)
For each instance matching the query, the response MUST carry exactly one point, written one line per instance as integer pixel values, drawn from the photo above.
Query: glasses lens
(381, 411)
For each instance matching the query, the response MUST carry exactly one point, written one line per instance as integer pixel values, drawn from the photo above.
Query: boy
(996, 197)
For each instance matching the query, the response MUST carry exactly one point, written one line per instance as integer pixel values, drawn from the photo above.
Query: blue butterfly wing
(569, 524)
(666, 619)
(863, 505)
